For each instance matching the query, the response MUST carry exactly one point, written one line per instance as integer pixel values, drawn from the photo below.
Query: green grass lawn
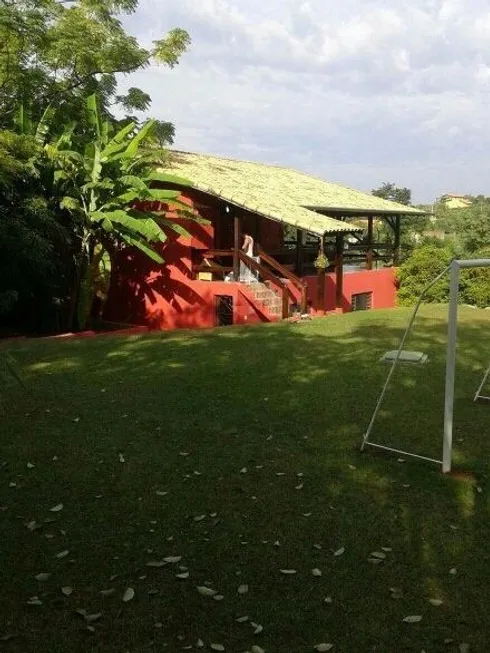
(237, 451)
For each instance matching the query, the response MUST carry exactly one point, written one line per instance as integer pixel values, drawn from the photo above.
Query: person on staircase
(247, 274)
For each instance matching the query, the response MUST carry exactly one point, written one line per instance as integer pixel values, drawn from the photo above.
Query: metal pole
(483, 381)
(397, 357)
(450, 367)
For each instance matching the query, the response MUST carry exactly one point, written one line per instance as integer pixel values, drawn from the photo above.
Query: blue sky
(354, 91)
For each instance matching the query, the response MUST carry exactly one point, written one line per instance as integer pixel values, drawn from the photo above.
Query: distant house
(453, 201)
(291, 216)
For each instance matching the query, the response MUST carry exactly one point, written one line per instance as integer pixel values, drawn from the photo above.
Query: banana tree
(102, 178)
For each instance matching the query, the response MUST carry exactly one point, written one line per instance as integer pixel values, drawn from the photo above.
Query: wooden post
(285, 303)
(299, 252)
(237, 237)
(320, 294)
(339, 270)
(320, 279)
(396, 242)
(369, 251)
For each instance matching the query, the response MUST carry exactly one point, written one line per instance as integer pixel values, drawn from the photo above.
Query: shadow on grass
(263, 426)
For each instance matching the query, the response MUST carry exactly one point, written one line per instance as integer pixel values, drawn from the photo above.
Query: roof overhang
(315, 225)
(365, 213)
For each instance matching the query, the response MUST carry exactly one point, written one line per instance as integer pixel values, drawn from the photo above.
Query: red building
(291, 217)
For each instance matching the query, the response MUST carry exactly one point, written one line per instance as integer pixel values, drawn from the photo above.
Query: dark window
(224, 310)
(363, 301)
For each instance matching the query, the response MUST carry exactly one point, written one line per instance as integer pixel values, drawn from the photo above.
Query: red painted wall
(166, 296)
(380, 282)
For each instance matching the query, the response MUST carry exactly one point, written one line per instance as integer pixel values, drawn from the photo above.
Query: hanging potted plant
(321, 262)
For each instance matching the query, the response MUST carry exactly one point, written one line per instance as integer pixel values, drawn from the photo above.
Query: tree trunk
(76, 321)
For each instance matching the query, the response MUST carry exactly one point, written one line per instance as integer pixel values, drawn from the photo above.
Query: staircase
(264, 297)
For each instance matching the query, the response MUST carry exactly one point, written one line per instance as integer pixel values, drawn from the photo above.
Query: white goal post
(447, 444)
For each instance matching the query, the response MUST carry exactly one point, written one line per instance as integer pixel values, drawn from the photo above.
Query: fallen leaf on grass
(30, 466)
(91, 618)
(128, 595)
(42, 577)
(67, 591)
(339, 552)
(199, 643)
(161, 493)
(287, 572)
(199, 517)
(257, 628)
(183, 575)
(435, 602)
(34, 600)
(316, 572)
(217, 647)
(378, 554)
(32, 525)
(323, 647)
(109, 592)
(62, 554)
(396, 593)
(206, 591)
(242, 620)
(243, 589)
(328, 599)
(121, 458)
(257, 649)
(218, 597)
(56, 508)
(173, 559)
(453, 571)
(412, 619)
(156, 563)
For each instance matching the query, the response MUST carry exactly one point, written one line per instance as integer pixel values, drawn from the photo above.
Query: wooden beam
(299, 251)
(339, 270)
(396, 242)
(369, 250)
(237, 238)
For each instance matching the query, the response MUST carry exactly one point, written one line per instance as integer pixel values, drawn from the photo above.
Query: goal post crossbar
(454, 269)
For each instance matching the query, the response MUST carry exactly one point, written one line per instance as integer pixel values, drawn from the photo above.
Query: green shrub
(475, 282)
(421, 267)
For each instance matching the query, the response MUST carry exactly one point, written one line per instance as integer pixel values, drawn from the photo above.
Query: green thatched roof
(280, 193)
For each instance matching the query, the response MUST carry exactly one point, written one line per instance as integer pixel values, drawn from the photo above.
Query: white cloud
(360, 91)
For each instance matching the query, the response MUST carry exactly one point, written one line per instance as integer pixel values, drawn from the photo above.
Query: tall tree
(35, 249)
(389, 191)
(102, 180)
(65, 50)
